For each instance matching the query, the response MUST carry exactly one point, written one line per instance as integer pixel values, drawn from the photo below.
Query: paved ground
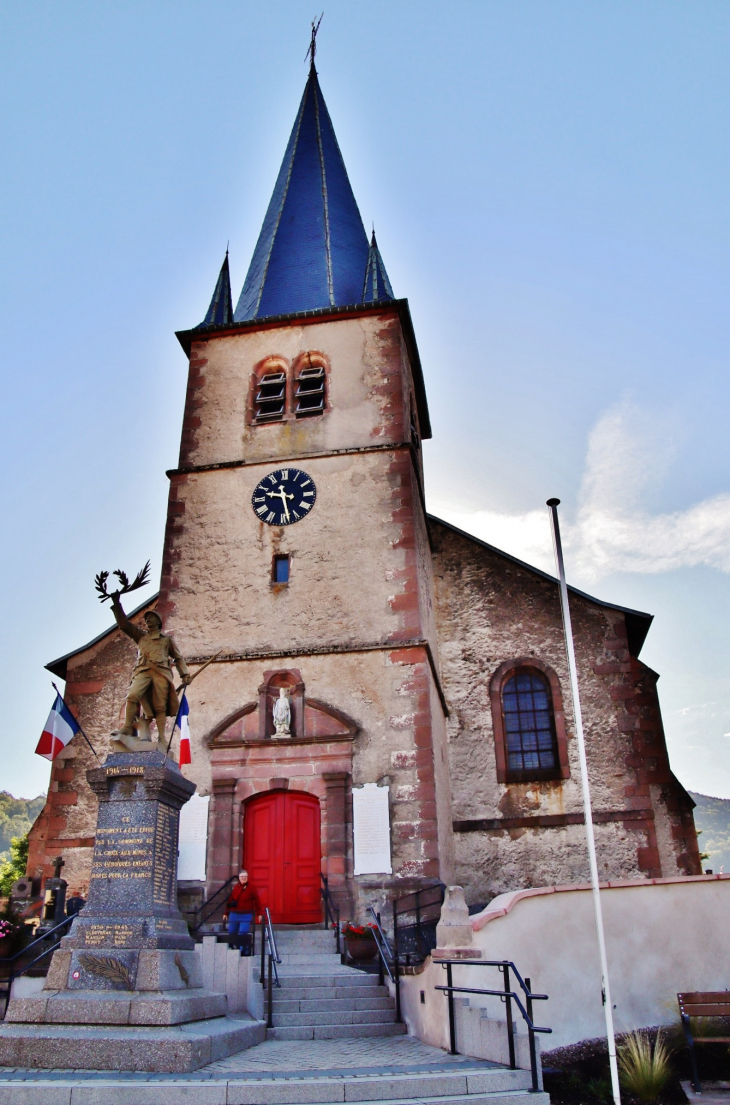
(379, 1053)
(292, 1059)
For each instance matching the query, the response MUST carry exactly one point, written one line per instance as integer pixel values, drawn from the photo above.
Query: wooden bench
(702, 1003)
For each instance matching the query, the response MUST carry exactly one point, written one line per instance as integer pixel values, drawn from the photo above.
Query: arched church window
(309, 392)
(529, 725)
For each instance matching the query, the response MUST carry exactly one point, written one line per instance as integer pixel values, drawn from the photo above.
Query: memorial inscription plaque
(132, 895)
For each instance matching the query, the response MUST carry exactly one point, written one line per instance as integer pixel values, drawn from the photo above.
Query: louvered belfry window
(309, 393)
(271, 397)
(529, 726)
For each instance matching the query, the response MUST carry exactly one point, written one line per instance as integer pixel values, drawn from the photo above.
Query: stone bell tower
(297, 549)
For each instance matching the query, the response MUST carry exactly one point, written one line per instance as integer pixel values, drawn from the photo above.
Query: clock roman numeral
(270, 516)
(305, 506)
(284, 474)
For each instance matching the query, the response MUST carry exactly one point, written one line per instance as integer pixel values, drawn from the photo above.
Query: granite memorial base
(128, 966)
(174, 1050)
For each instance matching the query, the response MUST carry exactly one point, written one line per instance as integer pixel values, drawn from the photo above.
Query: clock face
(284, 497)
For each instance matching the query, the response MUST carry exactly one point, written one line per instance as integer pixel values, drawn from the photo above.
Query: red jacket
(243, 899)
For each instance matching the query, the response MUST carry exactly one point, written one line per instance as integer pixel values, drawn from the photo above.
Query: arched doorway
(281, 852)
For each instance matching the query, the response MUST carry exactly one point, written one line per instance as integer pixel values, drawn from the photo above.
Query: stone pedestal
(129, 959)
(454, 934)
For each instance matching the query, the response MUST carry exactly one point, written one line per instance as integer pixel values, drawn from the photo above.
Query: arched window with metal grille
(310, 386)
(270, 397)
(529, 725)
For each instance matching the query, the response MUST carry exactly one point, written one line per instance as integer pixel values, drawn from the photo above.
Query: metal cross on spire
(313, 44)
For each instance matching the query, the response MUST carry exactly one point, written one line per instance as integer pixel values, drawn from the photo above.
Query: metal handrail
(331, 910)
(418, 903)
(385, 952)
(24, 951)
(199, 912)
(507, 995)
(268, 937)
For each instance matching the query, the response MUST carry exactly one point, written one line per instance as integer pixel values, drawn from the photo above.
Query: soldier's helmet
(154, 614)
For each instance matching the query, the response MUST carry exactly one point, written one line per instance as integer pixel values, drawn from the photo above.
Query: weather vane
(313, 44)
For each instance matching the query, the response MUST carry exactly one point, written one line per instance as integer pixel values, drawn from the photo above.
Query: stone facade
(493, 611)
(390, 636)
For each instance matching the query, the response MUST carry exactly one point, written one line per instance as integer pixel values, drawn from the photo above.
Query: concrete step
(335, 1031)
(323, 1005)
(116, 1091)
(343, 1016)
(309, 959)
(470, 1087)
(309, 980)
(292, 992)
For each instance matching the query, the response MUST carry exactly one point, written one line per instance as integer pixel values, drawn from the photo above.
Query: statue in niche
(282, 714)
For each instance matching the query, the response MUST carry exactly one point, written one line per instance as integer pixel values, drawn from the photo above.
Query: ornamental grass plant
(644, 1072)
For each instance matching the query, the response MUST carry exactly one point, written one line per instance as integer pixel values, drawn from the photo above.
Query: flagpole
(590, 838)
(83, 734)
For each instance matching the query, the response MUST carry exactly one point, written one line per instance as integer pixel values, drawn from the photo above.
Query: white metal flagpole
(590, 839)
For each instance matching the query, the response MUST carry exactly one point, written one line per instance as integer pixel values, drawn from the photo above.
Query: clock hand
(283, 495)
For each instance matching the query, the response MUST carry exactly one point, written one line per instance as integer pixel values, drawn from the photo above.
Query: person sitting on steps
(241, 907)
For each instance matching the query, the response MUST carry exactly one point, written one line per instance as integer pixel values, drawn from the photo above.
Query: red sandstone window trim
(496, 686)
(305, 389)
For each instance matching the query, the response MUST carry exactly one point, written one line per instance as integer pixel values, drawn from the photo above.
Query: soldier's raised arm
(123, 621)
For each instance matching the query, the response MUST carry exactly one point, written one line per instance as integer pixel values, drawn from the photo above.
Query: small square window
(280, 573)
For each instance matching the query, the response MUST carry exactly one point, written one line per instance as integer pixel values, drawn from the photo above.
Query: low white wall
(226, 971)
(662, 936)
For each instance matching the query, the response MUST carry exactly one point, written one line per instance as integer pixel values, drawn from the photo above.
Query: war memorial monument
(124, 990)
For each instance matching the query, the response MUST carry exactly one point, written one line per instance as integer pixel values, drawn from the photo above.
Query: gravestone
(128, 960)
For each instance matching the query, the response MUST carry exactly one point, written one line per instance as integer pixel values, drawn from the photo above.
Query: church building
(429, 735)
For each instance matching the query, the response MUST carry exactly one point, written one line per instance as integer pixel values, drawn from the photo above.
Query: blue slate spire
(312, 251)
(220, 311)
(377, 285)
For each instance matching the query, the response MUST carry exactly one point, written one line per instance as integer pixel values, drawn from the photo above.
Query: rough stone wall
(96, 686)
(492, 610)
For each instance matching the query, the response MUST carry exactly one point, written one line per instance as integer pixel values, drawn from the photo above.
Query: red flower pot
(361, 948)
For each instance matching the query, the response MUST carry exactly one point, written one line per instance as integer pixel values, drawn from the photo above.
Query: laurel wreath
(106, 967)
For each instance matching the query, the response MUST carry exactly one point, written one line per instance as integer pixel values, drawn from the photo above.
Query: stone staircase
(320, 999)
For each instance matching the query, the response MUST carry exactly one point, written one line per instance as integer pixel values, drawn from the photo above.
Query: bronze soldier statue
(152, 690)
(152, 687)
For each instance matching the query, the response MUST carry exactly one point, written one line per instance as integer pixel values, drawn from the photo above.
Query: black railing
(268, 941)
(54, 935)
(506, 995)
(415, 917)
(216, 901)
(331, 911)
(387, 960)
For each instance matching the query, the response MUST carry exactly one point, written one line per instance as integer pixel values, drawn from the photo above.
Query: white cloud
(628, 453)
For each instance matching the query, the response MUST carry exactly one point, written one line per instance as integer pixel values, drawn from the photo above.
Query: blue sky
(549, 185)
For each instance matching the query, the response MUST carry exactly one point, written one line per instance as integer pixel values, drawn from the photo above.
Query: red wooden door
(281, 852)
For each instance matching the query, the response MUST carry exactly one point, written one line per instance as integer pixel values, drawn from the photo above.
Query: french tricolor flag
(58, 730)
(183, 724)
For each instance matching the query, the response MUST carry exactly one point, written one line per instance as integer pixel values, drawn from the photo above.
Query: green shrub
(644, 1072)
(14, 868)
